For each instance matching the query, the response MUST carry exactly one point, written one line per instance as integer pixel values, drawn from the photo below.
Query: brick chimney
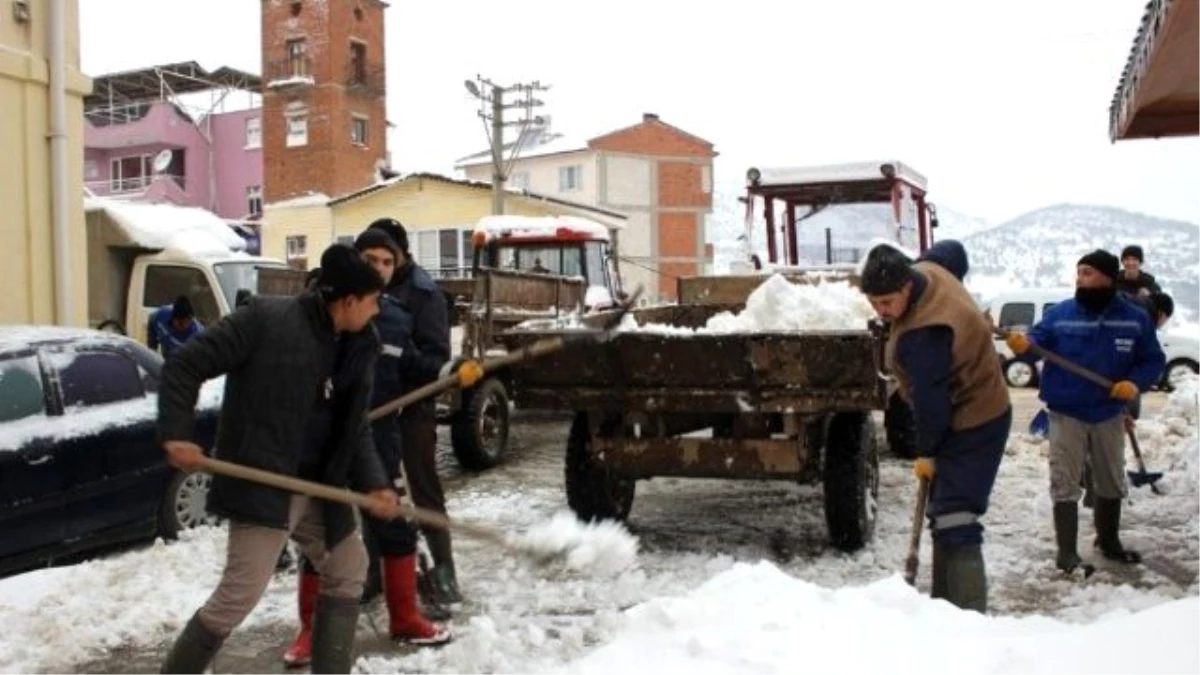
(649, 117)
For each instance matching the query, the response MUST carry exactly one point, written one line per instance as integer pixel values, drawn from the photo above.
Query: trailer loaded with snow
(777, 403)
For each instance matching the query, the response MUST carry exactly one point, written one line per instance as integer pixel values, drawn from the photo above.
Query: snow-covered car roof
(543, 227)
(837, 173)
(17, 336)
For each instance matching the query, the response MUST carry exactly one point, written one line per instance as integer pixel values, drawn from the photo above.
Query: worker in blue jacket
(172, 325)
(1109, 335)
(941, 352)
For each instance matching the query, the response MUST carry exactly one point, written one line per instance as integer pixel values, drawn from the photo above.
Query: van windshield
(237, 275)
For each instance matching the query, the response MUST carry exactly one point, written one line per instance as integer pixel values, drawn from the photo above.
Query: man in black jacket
(1132, 280)
(298, 376)
(413, 288)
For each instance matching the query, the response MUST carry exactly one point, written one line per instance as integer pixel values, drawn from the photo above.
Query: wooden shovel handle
(345, 496)
(914, 538)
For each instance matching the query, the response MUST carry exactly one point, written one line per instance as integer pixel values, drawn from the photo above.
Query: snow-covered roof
(310, 199)
(163, 226)
(539, 146)
(542, 226)
(838, 173)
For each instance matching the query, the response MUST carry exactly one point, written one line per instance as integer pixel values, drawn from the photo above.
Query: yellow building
(439, 214)
(31, 33)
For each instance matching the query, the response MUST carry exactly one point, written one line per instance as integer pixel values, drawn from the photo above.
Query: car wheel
(185, 504)
(1019, 374)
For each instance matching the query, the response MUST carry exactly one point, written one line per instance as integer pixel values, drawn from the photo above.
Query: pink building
(177, 133)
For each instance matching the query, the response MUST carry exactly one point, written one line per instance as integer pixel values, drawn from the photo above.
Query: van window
(164, 283)
(1016, 315)
(20, 389)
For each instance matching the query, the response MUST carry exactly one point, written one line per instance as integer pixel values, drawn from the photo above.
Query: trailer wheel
(479, 432)
(901, 428)
(851, 480)
(594, 493)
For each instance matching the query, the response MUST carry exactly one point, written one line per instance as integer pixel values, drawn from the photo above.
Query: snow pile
(161, 226)
(605, 547)
(756, 618)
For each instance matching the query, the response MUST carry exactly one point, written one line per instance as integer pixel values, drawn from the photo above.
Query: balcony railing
(132, 185)
(365, 80)
(293, 73)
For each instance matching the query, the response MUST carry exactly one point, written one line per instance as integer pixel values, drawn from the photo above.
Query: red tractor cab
(807, 191)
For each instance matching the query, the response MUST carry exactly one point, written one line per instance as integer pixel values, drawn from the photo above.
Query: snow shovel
(539, 550)
(1141, 476)
(914, 540)
(539, 348)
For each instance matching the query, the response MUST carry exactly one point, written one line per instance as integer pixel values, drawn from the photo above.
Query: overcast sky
(1002, 105)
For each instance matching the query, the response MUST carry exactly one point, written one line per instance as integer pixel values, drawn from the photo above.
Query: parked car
(80, 466)
(1020, 310)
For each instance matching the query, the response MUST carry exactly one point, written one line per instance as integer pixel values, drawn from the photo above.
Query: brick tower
(324, 122)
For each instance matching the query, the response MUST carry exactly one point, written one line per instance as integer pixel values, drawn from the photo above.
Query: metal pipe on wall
(60, 199)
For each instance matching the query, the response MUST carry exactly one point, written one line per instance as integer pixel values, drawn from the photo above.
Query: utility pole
(489, 92)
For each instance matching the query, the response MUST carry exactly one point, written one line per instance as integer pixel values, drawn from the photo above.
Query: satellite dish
(162, 160)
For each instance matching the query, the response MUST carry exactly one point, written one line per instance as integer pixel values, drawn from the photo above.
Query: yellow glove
(469, 373)
(924, 468)
(1124, 390)
(1017, 342)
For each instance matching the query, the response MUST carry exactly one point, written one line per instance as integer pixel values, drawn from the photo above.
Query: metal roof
(154, 82)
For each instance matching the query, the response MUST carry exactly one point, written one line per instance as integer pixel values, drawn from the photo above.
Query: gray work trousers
(253, 551)
(1100, 444)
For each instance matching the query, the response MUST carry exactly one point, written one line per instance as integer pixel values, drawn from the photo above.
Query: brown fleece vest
(978, 393)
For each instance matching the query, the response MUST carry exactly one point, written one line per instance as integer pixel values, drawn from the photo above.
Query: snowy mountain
(1039, 249)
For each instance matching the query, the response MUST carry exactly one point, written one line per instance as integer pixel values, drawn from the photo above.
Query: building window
(706, 179)
(253, 133)
(297, 129)
(297, 57)
(132, 173)
(254, 200)
(297, 246)
(358, 130)
(570, 178)
(519, 180)
(358, 62)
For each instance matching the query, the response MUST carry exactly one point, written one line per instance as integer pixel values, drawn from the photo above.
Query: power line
(491, 109)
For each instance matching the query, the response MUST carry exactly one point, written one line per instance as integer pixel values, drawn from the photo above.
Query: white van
(1020, 310)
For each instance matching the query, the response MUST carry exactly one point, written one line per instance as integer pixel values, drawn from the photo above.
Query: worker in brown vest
(940, 350)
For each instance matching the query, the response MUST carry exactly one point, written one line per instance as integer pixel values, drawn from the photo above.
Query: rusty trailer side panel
(705, 457)
(727, 290)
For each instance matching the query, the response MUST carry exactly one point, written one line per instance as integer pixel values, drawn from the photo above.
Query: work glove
(1017, 342)
(1124, 390)
(469, 373)
(924, 468)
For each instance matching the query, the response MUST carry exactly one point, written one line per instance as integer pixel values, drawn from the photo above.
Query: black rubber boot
(443, 578)
(334, 624)
(1066, 532)
(193, 650)
(1108, 525)
(966, 577)
(938, 588)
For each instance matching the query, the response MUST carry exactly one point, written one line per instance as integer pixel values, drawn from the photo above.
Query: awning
(1159, 91)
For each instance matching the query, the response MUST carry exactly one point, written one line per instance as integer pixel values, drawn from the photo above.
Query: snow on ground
(700, 595)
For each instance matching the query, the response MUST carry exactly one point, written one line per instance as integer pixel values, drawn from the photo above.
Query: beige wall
(314, 222)
(26, 234)
(543, 175)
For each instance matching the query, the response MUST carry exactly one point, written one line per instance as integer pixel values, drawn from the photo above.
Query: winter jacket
(1119, 343)
(942, 354)
(400, 363)
(160, 332)
(284, 367)
(1133, 286)
(414, 290)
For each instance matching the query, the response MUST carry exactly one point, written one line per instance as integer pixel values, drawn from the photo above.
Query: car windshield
(237, 275)
(570, 260)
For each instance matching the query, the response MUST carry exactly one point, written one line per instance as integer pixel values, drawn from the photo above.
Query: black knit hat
(1163, 304)
(182, 309)
(376, 238)
(394, 229)
(345, 272)
(1103, 262)
(1133, 251)
(885, 271)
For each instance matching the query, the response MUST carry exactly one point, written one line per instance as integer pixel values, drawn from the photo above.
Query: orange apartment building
(659, 176)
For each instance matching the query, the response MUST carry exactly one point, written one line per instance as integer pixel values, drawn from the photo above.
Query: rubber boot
(938, 589)
(966, 577)
(1066, 532)
(1108, 525)
(193, 650)
(444, 580)
(427, 593)
(334, 624)
(300, 652)
(406, 623)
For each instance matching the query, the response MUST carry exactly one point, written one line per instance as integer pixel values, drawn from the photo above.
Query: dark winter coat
(1133, 286)
(1119, 343)
(400, 364)
(416, 291)
(282, 359)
